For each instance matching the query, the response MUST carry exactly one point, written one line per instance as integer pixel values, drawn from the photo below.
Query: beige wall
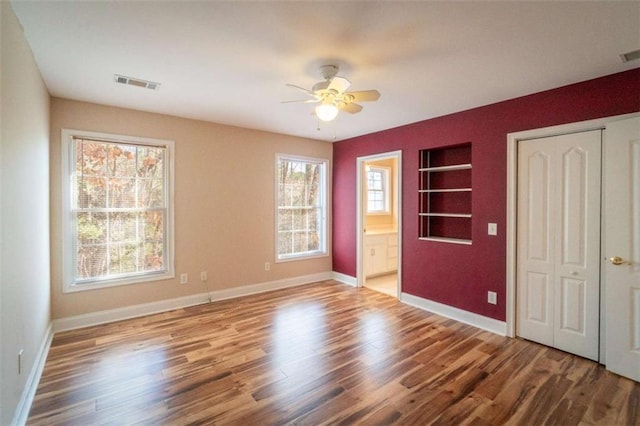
(24, 212)
(383, 220)
(224, 204)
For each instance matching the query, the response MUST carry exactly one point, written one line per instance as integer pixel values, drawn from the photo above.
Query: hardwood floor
(323, 353)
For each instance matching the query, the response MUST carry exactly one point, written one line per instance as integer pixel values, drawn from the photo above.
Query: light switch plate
(492, 229)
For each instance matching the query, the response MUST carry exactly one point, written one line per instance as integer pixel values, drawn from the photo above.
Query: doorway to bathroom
(379, 222)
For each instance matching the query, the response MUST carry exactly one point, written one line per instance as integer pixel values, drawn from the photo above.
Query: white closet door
(558, 281)
(622, 240)
(535, 249)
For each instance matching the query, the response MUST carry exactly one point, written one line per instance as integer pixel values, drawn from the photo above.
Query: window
(301, 207)
(117, 204)
(378, 190)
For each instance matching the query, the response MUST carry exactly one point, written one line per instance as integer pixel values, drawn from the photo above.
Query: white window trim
(68, 234)
(322, 252)
(386, 173)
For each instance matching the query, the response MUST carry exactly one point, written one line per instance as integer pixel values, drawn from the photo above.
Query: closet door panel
(577, 296)
(572, 314)
(535, 252)
(574, 200)
(558, 241)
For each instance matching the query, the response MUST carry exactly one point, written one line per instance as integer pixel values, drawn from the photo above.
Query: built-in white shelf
(447, 190)
(447, 240)
(445, 214)
(444, 186)
(446, 168)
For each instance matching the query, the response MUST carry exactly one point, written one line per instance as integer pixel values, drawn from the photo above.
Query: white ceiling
(228, 62)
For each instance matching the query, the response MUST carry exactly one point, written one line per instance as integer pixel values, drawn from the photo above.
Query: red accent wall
(453, 274)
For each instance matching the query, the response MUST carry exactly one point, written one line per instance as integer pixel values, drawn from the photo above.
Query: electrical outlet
(492, 297)
(203, 276)
(184, 278)
(492, 229)
(267, 266)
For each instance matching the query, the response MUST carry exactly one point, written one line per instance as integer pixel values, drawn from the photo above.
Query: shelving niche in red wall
(445, 194)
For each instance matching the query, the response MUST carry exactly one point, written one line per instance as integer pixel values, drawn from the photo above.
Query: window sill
(294, 258)
(108, 283)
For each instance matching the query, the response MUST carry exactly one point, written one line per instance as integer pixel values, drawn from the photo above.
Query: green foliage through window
(119, 209)
(301, 207)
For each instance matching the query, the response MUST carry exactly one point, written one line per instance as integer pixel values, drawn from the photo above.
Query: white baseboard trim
(29, 392)
(127, 312)
(118, 314)
(345, 279)
(480, 321)
(247, 290)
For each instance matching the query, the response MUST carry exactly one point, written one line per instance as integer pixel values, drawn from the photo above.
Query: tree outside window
(301, 207)
(119, 211)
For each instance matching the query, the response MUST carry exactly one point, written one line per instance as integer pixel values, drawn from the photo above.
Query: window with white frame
(378, 190)
(118, 224)
(301, 203)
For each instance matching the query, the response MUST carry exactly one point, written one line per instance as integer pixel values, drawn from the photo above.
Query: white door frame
(512, 184)
(360, 162)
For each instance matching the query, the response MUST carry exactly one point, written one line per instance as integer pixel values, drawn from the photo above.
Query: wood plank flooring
(323, 353)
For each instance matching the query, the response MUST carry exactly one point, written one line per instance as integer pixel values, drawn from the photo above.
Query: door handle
(617, 261)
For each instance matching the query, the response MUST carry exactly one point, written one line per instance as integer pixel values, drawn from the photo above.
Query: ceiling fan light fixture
(326, 111)
(331, 95)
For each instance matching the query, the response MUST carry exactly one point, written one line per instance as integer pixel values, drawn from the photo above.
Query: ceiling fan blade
(307, 91)
(304, 101)
(365, 95)
(350, 108)
(320, 86)
(339, 84)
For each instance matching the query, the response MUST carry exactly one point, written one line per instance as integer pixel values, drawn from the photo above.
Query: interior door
(558, 248)
(622, 247)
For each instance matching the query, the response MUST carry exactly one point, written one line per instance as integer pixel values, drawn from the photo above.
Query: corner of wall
(25, 327)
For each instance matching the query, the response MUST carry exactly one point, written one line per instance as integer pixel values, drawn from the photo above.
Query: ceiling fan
(331, 95)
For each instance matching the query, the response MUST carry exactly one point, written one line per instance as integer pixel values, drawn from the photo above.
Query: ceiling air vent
(630, 56)
(136, 82)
